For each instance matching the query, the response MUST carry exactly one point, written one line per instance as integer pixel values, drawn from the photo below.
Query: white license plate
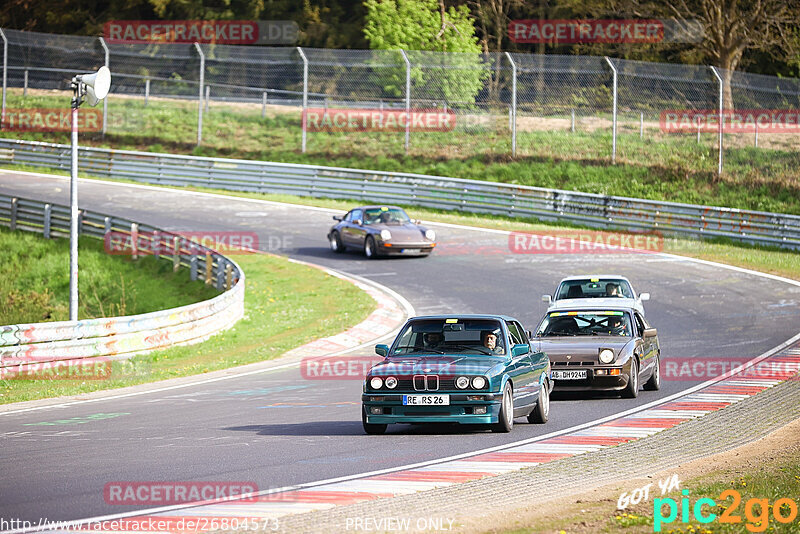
(409, 251)
(426, 400)
(570, 375)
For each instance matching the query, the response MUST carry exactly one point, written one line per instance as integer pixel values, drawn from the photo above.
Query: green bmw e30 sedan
(470, 369)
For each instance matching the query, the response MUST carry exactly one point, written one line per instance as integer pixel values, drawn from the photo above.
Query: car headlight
(375, 382)
(478, 382)
(462, 382)
(391, 382)
(606, 356)
(430, 235)
(386, 235)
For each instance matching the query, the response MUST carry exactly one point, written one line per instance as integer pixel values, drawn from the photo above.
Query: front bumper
(460, 409)
(405, 249)
(593, 381)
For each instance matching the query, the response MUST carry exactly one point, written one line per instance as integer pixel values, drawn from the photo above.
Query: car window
(385, 215)
(516, 336)
(349, 216)
(355, 215)
(640, 324)
(585, 323)
(594, 288)
(522, 332)
(448, 336)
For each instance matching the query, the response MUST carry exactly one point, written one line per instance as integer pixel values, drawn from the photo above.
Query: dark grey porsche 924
(381, 231)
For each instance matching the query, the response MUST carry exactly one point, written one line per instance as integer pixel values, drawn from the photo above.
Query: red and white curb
(710, 396)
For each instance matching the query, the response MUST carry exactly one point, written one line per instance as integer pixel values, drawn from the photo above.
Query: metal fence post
(25, 83)
(264, 104)
(408, 97)
(12, 224)
(146, 91)
(5, 77)
(513, 104)
(721, 119)
(105, 100)
(200, 93)
(614, 114)
(208, 96)
(47, 217)
(305, 96)
(641, 125)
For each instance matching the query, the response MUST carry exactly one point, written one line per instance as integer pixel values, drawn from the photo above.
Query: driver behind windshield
(616, 326)
(433, 340)
(612, 290)
(490, 341)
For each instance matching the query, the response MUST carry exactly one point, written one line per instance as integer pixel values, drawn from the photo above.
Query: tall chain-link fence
(410, 102)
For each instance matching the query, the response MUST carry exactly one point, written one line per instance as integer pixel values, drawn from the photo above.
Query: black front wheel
(371, 428)
(369, 248)
(336, 242)
(541, 412)
(505, 420)
(631, 391)
(654, 383)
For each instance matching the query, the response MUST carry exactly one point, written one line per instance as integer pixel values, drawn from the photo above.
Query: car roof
(614, 303)
(465, 316)
(584, 277)
(376, 206)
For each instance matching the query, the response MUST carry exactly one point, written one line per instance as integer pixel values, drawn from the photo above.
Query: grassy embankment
(661, 167)
(286, 305)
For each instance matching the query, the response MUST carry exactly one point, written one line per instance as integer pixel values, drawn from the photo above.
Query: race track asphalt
(276, 428)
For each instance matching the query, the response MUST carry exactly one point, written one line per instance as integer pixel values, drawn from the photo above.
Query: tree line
(760, 36)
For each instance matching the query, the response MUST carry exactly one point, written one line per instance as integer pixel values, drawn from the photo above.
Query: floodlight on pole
(92, 88)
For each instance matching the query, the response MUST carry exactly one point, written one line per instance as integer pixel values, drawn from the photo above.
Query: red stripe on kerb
(646, 423)
(336, 497)
(705, 405)
(735, 390)
(434, 476)
(589, 440)
(538, 457)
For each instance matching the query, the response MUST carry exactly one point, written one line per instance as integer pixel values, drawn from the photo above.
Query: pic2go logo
(783, 511)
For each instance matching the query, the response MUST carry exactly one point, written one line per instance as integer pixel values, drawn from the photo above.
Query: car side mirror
(649, 332)
(358, 222)
(547, 298)
(644, 296)
(382, 350)
(337, 217)
(520, 350)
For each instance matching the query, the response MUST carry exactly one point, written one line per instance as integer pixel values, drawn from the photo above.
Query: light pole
(92, 88)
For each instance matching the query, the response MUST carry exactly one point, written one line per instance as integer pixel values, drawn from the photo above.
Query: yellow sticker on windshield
(451, 321)
(594, 280)
(384, 208)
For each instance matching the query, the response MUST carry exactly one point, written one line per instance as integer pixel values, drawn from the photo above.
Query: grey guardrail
(26, 345)
(593, 210)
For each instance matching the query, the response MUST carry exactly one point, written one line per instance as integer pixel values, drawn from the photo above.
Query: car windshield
(450, 336)
(594, 288)
(385, 215)
(588, 323)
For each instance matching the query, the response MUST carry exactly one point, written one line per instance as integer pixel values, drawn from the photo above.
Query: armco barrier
(599, 211)
(119, 337)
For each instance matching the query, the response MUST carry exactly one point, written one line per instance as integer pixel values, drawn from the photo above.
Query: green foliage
(286, 305)
(34, 281)
(418, 26)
